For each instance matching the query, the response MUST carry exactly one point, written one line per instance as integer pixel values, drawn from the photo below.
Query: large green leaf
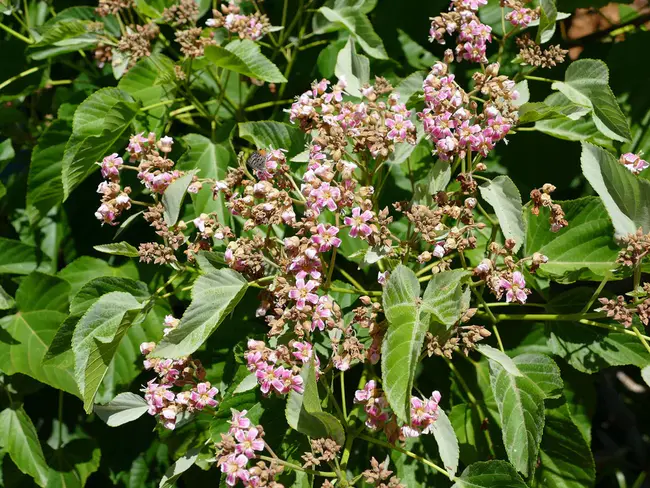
(467, 425)
(244, 57)
(521, 409)
(124, 408)
(212, 161)
(543, 371)
(44, 186)
(499, 357)
(63, 37)
(444, 298)
(100, 124)
(400, 349)
(565, 459)
(96, 338)
(40, 299)
(6, 301)
(626, 196)
(18, 437)
(181, 465)
(360, 27)
(149, 82)
(19, 258)
(84, 269)
(584, 250)
(214, 295)
(278, 135)
(586, 83)
(489, 474)
(72, 464)
(505, 198)
(173, 197)
(447, 442)
(353, 67)
(548, 17)
(305, 414)
(417, 56)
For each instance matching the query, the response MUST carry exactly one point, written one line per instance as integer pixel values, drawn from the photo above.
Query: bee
(257, 160)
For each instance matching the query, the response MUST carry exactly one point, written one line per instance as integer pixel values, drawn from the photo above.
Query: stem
(345, 408)
(16, 35)
(464, 386)
(19, 75)
(539, 78)
(272, 103)
(596, 294)
(162, 104)
(295, 467)
(410, 454)
(60, 419)
(641, 338)
(567, 317)
(354, 282)
(513, 304)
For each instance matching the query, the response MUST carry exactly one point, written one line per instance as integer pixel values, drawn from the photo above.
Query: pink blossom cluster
(472, 34)
(253, 27)
(521, 16)
(274, 371)
(248, 440)
(424, 412)
(633, 162)
(450, 121)
(166, 403)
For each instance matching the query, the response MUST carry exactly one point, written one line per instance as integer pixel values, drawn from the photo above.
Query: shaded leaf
(277, 135)
(244, 57)
(444, 296)
(353, 67)
(122, 409)
(173, 197)
(447, 442)
(214, 296)
(19, 258)
(118, 249)
(504, 197)
(360, 27)
(489, 474)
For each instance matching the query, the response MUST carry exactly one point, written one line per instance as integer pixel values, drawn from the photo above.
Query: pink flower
(633, 162)
(325, 196)
(322, 312)
(248, 442)
(110, 165)
(234, 469)
(147, 347)
(358, 221)
(383, 277)
(203, 396)
(239, 420)
(399, 127)
(362, 396)
(303, 351)
(302, 293)
(516, 289)
(326, 237)
(135, 143)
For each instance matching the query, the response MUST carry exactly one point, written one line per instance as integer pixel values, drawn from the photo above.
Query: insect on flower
(257, 160)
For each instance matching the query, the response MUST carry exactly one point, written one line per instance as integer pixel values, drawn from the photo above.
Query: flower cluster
(165, 402)
(520, 16)
(236, 450)
(252, 27)
(541, 197)
(379, 416)
(454, 123)
(379, 476)
(633, 162)
(277, 370)
(532, 53)
(473, 35)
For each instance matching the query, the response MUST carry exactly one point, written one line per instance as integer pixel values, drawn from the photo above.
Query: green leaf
(547, 19)
(19, 258)
(504, 197)
(626, 196)
(499, 357)
(468, 429)
(447, 442)
(18, 437)
(214, 296)
(244, 57)
(6, 301)
(353, 67)
(84, 269)
(94, 289)
(408, 87)
(122, 409)
(305, 414)
(27, 334)
(63, 37)
(521, 409)
(149, 82)
(44, 186)
(543, 371)
(212, 161)
(444, 297)
(173, 197)
(489, 474)
(181, 465)
(72, 464)
(417, 56)
(584, 250)
(96, 338)
(532, 112)
(39, 291)
(565, 459)
(99, 126)
(118, 249)
(360, 27)
(278, 135)
(401, 346)
(586, 83)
